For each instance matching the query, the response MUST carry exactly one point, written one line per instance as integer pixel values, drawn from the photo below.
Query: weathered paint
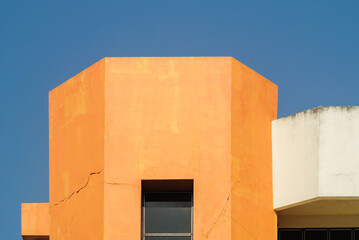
(128, 119)
(315, 162)
(76, 116)
(167, 118)
(339, 152)
(295, 154)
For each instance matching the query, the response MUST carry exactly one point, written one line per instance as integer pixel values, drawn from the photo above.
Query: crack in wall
(116, 183)
(216, 222)
(125, 184)
(77, 191)
(223, 212)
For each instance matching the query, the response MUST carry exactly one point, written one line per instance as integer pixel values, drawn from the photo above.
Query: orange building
(170, 148)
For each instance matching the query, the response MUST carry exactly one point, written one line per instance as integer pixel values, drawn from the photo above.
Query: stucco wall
(167, 118)
(35, 219)
(124, 120)
(253, 107)
(76, 122)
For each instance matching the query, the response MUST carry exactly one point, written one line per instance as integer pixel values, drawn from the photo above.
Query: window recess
(167, 209)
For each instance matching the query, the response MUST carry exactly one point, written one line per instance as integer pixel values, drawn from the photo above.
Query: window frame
(143, 216)
(353, 230)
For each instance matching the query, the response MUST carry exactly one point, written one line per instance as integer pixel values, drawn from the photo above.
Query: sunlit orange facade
(125, 120)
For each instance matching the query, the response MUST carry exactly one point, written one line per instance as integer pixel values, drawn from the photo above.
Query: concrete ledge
(318, 221)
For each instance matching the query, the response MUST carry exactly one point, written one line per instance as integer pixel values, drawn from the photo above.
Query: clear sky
(308, 48)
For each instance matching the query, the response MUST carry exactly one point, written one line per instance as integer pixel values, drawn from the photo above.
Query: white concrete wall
(315, 155)
(295, 158)
(339, 152)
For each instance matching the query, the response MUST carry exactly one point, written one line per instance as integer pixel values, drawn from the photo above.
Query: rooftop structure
(180, 148)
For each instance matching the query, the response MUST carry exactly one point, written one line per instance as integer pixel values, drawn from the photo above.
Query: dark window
(291, 234)
(167, 210)
(340, 234)
(318, 234)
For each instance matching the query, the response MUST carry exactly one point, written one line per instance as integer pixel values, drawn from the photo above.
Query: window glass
(318, 234)
(315, 235)
(356, 234)
(340, 235)
(168, 213)
(291, 235)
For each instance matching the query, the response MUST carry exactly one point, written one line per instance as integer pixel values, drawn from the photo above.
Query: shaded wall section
(76, 112)
(254, 106)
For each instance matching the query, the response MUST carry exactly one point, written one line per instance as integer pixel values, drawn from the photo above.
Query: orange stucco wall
(167, 118)
(76, 112)
(254, 106)
(124, 120)
(35, 219)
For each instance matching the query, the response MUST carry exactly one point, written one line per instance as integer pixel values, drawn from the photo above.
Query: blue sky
(308, 48)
